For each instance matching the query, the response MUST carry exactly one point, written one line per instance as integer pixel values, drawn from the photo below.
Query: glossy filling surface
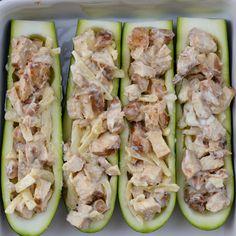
(29, 165)
(97, 121)
(204, 98)
(149, 102)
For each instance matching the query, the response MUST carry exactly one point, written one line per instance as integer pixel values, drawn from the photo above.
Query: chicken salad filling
(97, 120)
(148, 111)
(29, 167)
(204, 98)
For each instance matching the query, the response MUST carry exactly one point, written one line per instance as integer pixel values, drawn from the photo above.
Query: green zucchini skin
(162, 218)
(217, 28)
(115, 29)
(40, 222)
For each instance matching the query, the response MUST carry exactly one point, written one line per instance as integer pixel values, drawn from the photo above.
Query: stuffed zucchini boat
(147, 189)
(92, 123)
(32, 142)
(204, 158)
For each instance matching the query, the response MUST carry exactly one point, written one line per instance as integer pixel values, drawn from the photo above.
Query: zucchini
(115, 29)
(160, 219)
(40, 221)
(217, 28)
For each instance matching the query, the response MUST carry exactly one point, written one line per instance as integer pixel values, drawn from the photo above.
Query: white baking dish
(65, 14)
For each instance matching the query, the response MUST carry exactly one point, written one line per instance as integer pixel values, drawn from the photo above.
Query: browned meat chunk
(103, 39)
(139, 38)
(115, 117)
(133, 112)
(139, 141)
(202, 41)
(105, 145)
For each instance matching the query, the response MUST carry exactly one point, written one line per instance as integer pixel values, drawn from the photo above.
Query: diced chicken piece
(38, 73)
(103, 39)
(79, 219)
(200, 146)
(135, 165)
(100, 206)
(41, 191)
(225, 100)
(43, 206)
(161, 197)
(44, 156)
(132, 92)
(80, 81)
(163, 60)
(93, 172)
(186, 62)
(115, 120)
(32, 151)
(12, 169)
(17, 135)
(103, 58)
(210, 92)
(197, 181)
(201, 109)
(22, 165)
(32, 121)
(24, 88)
(23, 211)
(26, 132)
(133, 112)
(15, 101)
(217, 202)
(136, 191)
(139, 38)
(213, 129)
(92, 104)
(105, 145)
(84, 187)
(159, 37)
(86, 107)
(151, 175)
(113, 170)
(141, 82)
(43, 56)
(146, 207)
(74, 108)
(214, 63)
(159, 145)
(85, 43)
(75, 164)
(202, 41)
(138, 67)
(138, 139)
(221, 173)
(195, 199)
(137, 53)
(22, 50)
(213, 183)
(189, 114)
(211, 163)
(155, 115)
(190, 164)
(158, 88)
(103, 163)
